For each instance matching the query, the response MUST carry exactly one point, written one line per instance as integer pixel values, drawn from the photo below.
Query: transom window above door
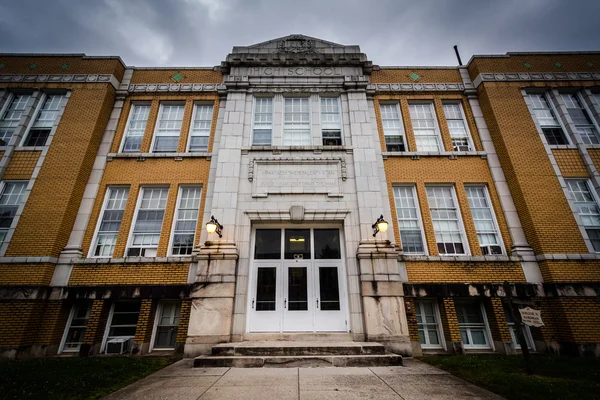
(298, 244)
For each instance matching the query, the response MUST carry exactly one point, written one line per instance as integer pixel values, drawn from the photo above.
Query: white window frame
(400, 120)
(109, 323)
(583, 227)
(92, 249)
(283, 123)
(341, 123)
(159, 309)
(36, 114)
(438, 323)
(135, 215)
(487, 332)
(63, 341)
(438, 133)
(174, 223)
(464, 120)
(135, 104)
(22, 201)
(158, 120)
(593, 125)
(419, 217)
(488, 198)
(546, 96)
(7, 105)
(198, 104)
(254, 98)
(465, 239)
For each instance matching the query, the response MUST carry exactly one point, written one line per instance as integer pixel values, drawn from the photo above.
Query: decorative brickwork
(403, 75)
(129, 274)
(26, 274)
(570, 163)
(464, 272)
(21, 165)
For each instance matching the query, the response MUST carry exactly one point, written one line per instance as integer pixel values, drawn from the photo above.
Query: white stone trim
(172, 87)
(415, 87)
(61, 78)
(535, 76)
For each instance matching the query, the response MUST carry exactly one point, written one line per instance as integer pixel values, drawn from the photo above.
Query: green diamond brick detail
(527, 65)
(1, 66)
(557, 64)
(177, 77)
(414, 76)
(64, 66)
(590, 64)
(32, 66)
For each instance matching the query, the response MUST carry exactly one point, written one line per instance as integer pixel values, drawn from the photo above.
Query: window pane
(409, 221)
(327, 244)
(263, 121)
(148, 224)
(446, 224)
(587, 208)
(168, 128)
(267, 244)
(297, 289)
(11, 117)
(266, 289)
(457, 127)
(110, 224)
(136, 127)
(329, 288)
(485, 225)
(296, 124)
(186, 219)
(10, 199)
(393, 130)
(201, 125)
(424, 128)
(545, 117)
(297, 244)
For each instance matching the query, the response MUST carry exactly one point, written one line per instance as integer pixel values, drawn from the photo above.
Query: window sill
(419, 154)
(297, 148)
(135, 260)
(592, 146)
(142, 156)
(30, 148)
(482, 259)
(564, 146)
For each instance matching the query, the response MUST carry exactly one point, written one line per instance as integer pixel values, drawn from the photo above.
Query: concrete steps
(298, 354)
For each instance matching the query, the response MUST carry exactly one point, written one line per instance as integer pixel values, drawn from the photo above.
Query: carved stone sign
(296, 44)
(295, 71)
(296, 177)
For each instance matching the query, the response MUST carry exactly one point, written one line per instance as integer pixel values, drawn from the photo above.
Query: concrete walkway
(416, 380)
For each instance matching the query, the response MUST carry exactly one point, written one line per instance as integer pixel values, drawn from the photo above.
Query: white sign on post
(531, 317)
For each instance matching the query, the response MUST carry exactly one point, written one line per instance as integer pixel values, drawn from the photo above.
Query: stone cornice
(172, 87)
(415, 87)
(60, 78)
(535, 76)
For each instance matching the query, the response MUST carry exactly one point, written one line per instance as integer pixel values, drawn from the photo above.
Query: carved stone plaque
(296, 177)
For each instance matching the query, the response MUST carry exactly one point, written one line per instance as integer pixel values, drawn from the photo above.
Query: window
(136, 126)
(587, 208)
(11, 117)
(597, 96)
(263, 121)
(168, 128)
(110, 221)
(393, 131)
(581, 119)
(76, 326)
(457, 125)
(167, 321)
(545, 117)
(42, 125)
(200, 130)
(447, 225)
(296, 122)
(485, 222)
(148, 222)
(409, 220)
(428, 324)
(123, 321)
(331, 121)
(472, 325)
(513, 332)
(186, 218)
(10, 199)
(425, 128)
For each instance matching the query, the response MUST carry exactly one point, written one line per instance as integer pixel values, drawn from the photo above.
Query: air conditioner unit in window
(490, 250)
(119, 345)
(461, 147)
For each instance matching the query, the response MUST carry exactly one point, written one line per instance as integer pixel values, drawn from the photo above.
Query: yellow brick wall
(545, 215)
(26, 274)
(153, 171)
(49, 214)
(441, 118)
(143, 332)
(595, 156)
(19, 322)
(571, 271)
(570, 163)
(164, 76)
(155, 101)
(449, 319)
(460, 272)
(129, 274)
(52, 65)
(21, 165)
(429, 170)
(574, 319)
(184, 319)
(450, 75)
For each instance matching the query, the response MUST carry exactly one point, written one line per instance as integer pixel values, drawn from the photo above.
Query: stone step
(297, 348)
(363, 360)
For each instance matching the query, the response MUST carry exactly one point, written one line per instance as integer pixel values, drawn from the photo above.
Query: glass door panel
(330, 313)
(297, 289)
(266, 289)
(265, 314)
(329, 289)
(297, 309)
(297, 244)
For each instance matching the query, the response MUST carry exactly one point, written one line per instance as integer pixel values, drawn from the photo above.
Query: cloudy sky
(202, 32)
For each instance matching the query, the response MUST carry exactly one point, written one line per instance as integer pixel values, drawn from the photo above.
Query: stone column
(381, 286)
(520, 246)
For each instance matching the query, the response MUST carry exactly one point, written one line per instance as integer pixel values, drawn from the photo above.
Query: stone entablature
(537, 76)
(60, 78)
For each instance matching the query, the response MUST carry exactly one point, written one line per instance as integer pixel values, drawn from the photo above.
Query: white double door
(297, 295)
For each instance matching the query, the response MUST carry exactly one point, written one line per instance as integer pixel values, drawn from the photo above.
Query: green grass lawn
(555, 378)
(72, 378)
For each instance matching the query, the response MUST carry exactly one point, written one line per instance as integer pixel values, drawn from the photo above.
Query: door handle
(284, 303)
(317, 302)
(253, 304)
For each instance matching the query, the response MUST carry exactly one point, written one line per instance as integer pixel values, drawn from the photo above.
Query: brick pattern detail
(570, 163)
(388, 75)
(52, 65)
(595, 156)
(164, 76)
(53, 323)
(19, 322)
(129, 274)
(21, 165)
(184, 320)
(29, 274)
(96, 322)
(571, 271)
(411, 318)
(449, 319)
(144, 324)
(496, 317)
(445, 271)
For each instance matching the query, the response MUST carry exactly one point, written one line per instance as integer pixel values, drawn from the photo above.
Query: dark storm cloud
(202, 32)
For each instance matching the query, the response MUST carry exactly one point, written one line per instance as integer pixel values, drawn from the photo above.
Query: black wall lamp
(380, 225)
(213, 226)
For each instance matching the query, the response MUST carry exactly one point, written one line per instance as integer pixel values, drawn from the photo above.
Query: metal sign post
(516, 317)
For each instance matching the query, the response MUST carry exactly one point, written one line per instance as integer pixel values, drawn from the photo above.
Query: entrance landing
(258, 354)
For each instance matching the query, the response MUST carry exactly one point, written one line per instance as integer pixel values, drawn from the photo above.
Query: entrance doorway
(297, 281)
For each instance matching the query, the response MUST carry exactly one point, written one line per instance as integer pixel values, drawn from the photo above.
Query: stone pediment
(295, 50)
